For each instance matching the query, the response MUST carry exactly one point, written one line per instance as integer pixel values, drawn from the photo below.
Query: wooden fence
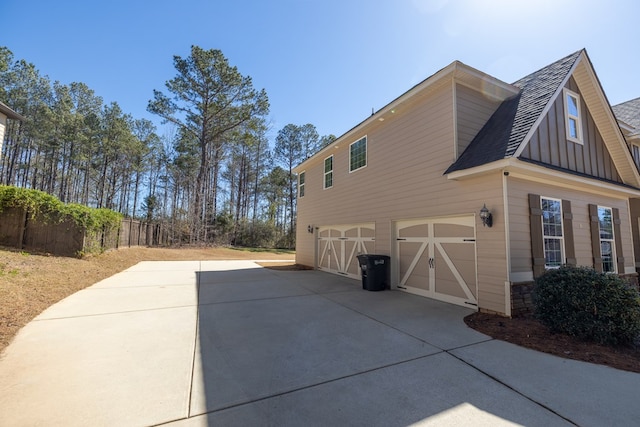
(66, 238)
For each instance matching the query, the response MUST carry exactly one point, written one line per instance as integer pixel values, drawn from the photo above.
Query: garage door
(436, 258)
(339, 246)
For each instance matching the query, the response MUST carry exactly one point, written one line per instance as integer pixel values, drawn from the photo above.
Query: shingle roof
(505, 131)
(629, 112)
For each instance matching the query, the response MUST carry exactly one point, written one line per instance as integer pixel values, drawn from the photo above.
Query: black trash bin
(375, 271)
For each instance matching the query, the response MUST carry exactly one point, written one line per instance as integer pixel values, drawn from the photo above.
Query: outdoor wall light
(485, 216)
(310, 228)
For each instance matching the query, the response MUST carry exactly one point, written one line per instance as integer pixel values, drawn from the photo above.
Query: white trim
(302, 185)
(546, 109)
(568, 117)
(532, 172)
(544, 236)
(456, 143)
(612, 241)
(324, 174)
(507, 242)
(366, 153)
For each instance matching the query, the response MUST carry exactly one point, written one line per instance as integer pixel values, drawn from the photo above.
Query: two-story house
(6, 113)
(474, 186)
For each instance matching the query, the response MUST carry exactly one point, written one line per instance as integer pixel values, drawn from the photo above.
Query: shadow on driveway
(309, 348)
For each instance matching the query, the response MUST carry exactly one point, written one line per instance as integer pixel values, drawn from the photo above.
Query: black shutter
(617, 236)
(567, 223)
(537, 242)
(595, 237)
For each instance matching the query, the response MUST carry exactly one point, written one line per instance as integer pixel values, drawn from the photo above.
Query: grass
(30, 283)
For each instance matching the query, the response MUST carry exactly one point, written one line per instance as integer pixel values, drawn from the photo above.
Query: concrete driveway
(229, 343)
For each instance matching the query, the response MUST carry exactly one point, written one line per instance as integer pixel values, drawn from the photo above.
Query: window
(552, 232)
(635, 150)
(301, 184)
(358, 154)
(328, 172)
(572, 114)
(607, 239)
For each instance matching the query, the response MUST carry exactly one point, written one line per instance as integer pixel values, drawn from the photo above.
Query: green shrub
(592, 306)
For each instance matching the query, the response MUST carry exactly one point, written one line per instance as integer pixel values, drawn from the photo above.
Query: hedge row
(50, 208)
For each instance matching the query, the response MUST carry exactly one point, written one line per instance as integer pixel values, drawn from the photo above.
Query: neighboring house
(6, 113)
(628, 115)
(545, 155)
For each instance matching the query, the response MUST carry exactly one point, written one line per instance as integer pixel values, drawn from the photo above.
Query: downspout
(507, 241)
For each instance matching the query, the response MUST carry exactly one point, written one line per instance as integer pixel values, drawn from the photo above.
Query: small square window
(358, 154)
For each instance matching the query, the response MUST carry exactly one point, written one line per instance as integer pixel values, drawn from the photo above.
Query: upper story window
(328, 172)
(573, 119)
(607, 239)
(552, 232)
(635, 150)
(358, 154)
(301, 179)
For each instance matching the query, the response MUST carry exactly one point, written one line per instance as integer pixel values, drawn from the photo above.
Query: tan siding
(473, 111)
(634, 207)
(3, 123)
(549, 144)
(407, 155)
(518, 191)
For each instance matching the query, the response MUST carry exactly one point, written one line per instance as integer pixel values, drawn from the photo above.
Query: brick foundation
(521, 299)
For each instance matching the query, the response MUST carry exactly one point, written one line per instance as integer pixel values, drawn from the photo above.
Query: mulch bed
(529, 332)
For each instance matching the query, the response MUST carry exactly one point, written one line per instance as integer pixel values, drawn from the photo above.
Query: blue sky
(325, 62)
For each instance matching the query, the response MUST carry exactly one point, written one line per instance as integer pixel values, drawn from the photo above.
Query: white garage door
(339, 246)
(436, 258)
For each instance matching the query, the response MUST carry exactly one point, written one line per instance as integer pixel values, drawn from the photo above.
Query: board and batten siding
(518, 191)
(406, 157)
(549, 143)
(474, 110)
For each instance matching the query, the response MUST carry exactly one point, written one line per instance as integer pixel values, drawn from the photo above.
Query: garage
(339, 246)
(436, 258)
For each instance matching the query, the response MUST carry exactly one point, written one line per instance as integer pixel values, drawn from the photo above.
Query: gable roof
(538, 92)
(458, 71)
(629, 113)
(506, 130)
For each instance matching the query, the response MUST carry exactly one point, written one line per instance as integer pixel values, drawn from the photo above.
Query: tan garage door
(339, 246)
(436, 258)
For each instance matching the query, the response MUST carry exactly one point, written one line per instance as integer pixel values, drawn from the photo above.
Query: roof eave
(516, 168)
(4, 109)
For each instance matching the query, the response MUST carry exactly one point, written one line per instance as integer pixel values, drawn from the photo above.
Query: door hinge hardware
(468, 240)
(400, 239)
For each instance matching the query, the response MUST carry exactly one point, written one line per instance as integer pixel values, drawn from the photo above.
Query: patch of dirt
(30, 283)
(285, 266)
(529, 332)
